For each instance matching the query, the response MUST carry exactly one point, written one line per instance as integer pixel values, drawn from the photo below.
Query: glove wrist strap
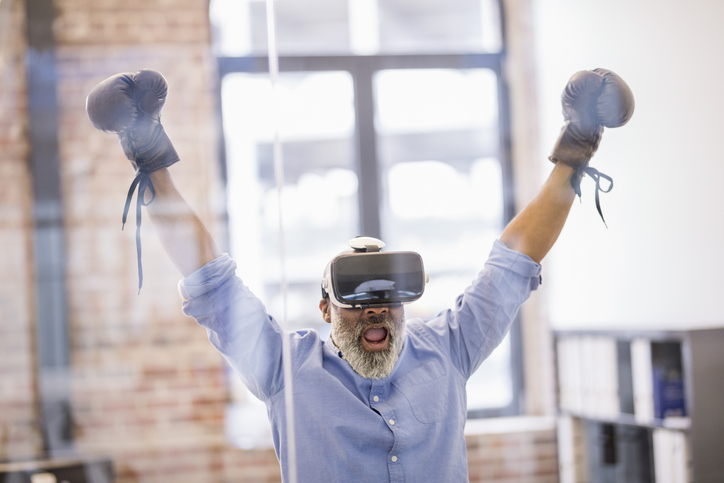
(596, 175)
(142, 181)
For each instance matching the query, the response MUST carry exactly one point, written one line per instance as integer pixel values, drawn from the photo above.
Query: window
(393, 118)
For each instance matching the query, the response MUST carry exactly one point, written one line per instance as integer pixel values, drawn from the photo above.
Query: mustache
(385, 318)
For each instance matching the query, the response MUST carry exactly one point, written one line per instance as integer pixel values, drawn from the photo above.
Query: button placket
(394, 457)
(378, 397)
(377, 392)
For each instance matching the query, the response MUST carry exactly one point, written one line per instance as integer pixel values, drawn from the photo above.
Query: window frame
(363, 68)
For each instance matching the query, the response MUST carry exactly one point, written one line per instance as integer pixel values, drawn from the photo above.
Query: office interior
(427, 124)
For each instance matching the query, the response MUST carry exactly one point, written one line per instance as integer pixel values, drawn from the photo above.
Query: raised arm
(184, 237)
(591, 101)
(535, 229)
(130, 105)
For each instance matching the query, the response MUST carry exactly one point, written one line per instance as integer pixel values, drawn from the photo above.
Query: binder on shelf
(572, 455)
(564, 383)
(566, 450)
(668, 393)
(588, 376)
(671, 459)
(588, 382)
(570, 374)
(641, 372)
(624, 378)
(608, 373)
(576, 375)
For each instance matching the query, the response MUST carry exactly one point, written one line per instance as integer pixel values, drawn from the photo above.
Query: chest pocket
(426, 390)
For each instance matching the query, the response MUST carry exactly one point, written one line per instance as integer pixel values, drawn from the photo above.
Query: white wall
(660, 262)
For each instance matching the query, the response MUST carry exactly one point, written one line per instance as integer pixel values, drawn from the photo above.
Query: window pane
(414, 26)
(433, 100)
(314, 27)
(319, 199)
(442, 190)
(308, 26)
(302, 27)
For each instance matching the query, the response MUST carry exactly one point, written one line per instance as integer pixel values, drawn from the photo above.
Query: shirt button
(392, 422)
(394, 459)
(376, 398)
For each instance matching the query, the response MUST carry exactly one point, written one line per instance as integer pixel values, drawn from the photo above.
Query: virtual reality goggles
(368, 277)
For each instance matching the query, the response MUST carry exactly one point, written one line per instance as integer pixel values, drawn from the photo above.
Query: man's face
(370, 339)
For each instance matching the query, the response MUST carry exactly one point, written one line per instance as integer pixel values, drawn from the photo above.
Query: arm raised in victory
(591, 101)
(130, 105)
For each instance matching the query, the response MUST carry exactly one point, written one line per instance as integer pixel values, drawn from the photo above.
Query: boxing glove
(130, 105)
(591, 101)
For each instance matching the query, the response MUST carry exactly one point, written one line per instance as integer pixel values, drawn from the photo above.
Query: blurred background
(425, 123)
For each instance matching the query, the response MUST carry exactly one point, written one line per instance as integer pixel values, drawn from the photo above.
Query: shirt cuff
(207, 278)
(503, 257)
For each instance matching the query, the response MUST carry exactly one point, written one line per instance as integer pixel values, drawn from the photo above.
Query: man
(384, 398)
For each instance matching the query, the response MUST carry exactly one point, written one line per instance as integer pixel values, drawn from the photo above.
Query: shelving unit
(641, 407)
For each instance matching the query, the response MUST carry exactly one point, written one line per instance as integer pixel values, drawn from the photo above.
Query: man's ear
(326, 308)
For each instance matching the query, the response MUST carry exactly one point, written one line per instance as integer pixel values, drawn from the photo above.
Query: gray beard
(370, 365)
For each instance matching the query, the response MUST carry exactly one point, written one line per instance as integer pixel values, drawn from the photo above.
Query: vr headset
(370, 278)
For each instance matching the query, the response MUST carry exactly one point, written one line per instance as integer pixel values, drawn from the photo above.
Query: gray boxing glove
(591, 101)
(130, 105)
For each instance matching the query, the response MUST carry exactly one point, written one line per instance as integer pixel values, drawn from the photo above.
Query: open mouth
(375, 338)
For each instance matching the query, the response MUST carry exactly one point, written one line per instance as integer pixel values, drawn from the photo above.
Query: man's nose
(375, 310)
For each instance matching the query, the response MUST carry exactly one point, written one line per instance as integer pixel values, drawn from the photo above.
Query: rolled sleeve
(237, 324)
(484, 312)
(207, 278)
(503, 257)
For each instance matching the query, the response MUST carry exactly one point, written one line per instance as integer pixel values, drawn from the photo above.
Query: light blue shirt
(407, 427)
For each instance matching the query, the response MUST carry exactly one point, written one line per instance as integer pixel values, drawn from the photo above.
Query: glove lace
(596, 175)
(143, 182)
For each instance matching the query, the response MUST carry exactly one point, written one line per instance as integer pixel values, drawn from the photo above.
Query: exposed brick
(19, 433)
(514, 457)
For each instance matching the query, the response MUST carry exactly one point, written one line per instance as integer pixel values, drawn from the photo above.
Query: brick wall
(527, 456)
(18, 425)
(148, 389)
